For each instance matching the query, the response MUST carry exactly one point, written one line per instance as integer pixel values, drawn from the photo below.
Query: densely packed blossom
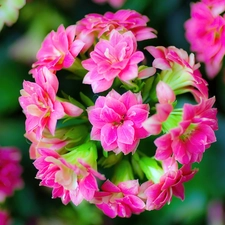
(10, 172)
(9, 11)
(117, 121)
(94, 147)
(116, 57)
(205, 31)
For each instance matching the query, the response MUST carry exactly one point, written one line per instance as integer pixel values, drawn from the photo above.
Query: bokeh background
(32, 205)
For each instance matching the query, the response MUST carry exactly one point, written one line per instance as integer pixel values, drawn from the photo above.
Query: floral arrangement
(128, 141)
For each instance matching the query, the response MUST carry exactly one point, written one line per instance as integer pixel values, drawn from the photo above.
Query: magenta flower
(69, 181)
(195, 133)
(113, 3)
(216, 6)
(59, 49)
(40, 106)
(171, 183)
(179, 70)
(206, 34)
(165, 97)
(119, 200)
(10, 171)
(116, 57)
(5, 218)
(117, 121)
(96, 25)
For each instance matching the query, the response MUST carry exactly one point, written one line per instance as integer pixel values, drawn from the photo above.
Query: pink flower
(59, 49)
(117, 121)
(4, 218)
(179, 70)
(10, 171)
(119, 200)
(206, 34)
(96, 25)
(116, 57)
(113, 3)
(40, 105)
(70, 182)
(216, 6)
(165, 97)
(171, 183)
(195, 133)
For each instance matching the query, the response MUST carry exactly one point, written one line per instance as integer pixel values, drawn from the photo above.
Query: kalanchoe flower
(195, 133)
(179, 71)
(165, 97)
(40, 105)
(117, 121)
(171, 183)
(59, 49)
(116, 57)
(5, 218)
(97, 25)
(9, 11)
(119, 200)
(70, 177)
(205, 31)
(10, 171)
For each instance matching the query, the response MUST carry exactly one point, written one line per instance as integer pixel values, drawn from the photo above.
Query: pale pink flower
(113, 3)
(5, 218)
(40, 106)
(171, 183)
(69, 181)
(179, 70)
(194, 134)
(119, 200)
(59, 49)
(116, 57)
(96, 25)
(165, 97)
(216, 6)
(117, 121)
(10, 171)
(206, 34)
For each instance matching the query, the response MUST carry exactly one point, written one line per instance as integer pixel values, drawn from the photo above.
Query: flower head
(171, 183)
(5, 218)
(119, 200)
(179, 71)
(59, 49)
(117, 121)
(40, 105)
(116, 57)
(96, 25)
(195, 133)
(10, 171)
(70, 181)
(205, 31)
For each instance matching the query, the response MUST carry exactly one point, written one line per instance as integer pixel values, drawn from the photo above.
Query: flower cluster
(96, 147)
(10, 178)
(9, 11)
(205, 31)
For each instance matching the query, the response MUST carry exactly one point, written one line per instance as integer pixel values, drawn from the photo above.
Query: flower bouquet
(126, 138)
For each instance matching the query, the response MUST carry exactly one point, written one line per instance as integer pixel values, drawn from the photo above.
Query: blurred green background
(32, 205)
